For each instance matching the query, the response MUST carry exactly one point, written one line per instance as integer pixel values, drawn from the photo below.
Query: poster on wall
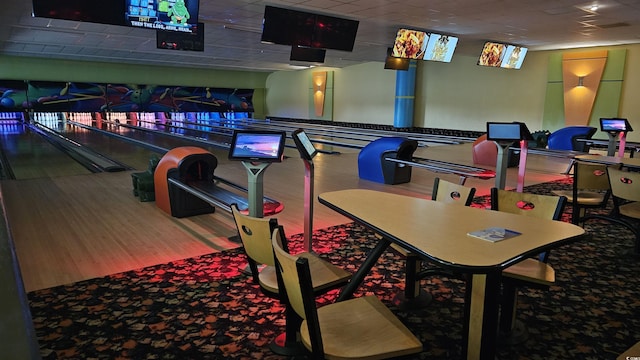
(209, 99)
(48, 96)
(13, 95)
(86, 97)
(139, 98)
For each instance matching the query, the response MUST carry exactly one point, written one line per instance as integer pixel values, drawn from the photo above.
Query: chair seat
(588, 198)
(631, 210)
(374, 331)
(268, 279)
(531, 271)
(325, 275)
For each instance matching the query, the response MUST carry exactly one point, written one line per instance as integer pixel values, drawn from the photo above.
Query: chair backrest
(448, 192)
(541, 206)
(255, 234)
(295, 275)
(590, 176)
(624, 184)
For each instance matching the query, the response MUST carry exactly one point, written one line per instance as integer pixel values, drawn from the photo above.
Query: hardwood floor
(68, 229)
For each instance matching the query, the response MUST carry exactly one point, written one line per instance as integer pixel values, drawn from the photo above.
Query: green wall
(457, 95)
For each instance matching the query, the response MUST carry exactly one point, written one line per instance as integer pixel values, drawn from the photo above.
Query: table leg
(481, 316)
(358, 277)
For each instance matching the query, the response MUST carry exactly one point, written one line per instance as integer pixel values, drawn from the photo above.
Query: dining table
(440, 232)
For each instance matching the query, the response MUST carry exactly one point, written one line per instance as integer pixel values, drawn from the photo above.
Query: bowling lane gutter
(88, 158)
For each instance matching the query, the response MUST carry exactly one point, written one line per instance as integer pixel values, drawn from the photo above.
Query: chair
(625, 191)
(255, 234)
(532, 272)
(413, 296)
(358, 328)
(631, 353)
(590, 189)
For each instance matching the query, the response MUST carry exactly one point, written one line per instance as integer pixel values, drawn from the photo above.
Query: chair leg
(288, 344)
(511, 331)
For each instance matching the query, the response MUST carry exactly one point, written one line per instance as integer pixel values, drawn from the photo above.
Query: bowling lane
(130, 153)
(30, 156)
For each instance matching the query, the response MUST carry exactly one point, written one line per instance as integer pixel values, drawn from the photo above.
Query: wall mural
(52, 96)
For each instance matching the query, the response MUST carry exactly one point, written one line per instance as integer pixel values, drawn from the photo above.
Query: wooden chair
(255, 234)
(625, 191)
(532, 272)
(590, 189)
(631, 353)
(358, 328)
(413, 296)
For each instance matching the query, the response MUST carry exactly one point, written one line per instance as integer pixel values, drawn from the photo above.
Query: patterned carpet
(205, 308)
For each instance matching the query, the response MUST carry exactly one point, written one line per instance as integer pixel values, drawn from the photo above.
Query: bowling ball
(7, 102)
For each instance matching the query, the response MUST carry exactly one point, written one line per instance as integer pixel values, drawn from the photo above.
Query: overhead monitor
(299, 53)
(410, 44)
(501, 55)
(492, 54)
(293, 27)
(304, 144)
(396, 63)
(257, 146)
(168, 15)
(175, 40)
(440, 47)
(513, 57)
(103, 12)
(615, 125)
(514, 131)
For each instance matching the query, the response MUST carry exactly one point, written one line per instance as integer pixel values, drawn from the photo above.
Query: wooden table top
(439, 231)
(610, 160)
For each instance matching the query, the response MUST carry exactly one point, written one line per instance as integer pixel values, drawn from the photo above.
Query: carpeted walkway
(205, 308)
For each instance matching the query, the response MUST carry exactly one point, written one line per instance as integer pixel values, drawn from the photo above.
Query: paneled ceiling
(233, 28)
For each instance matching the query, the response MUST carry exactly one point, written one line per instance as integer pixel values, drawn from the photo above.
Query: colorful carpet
(206, 308)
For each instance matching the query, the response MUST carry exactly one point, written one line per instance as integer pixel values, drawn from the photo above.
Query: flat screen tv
(109, 12)
(410, 44)
(513, 57)
(292, 27)
(396, 63)
(614, 125)
(304, 144)
(168, 15)
(257, 146)
(299, 53)
(440, 47)
(492, 54)
(515, 131)
(175, 40)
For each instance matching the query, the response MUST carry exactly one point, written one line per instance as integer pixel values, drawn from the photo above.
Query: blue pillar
(405, 97)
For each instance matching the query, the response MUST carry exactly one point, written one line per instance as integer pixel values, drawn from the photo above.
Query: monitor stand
(255, 172)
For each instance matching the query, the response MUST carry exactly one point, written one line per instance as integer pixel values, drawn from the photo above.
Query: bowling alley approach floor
(72, 228)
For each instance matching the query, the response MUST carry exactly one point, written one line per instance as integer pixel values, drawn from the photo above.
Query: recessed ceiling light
(594, 7)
